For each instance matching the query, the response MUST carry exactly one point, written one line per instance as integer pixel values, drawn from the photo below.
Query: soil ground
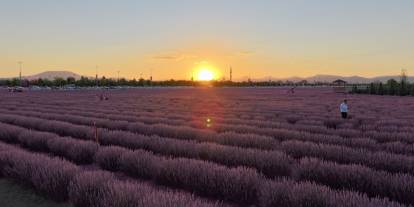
(16, 195)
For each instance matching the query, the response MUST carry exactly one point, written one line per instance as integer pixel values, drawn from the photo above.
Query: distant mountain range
(53, 74)
(331, 78)
(317, 78)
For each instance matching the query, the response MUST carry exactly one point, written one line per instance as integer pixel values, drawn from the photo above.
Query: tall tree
(71, 80)
(411, 86)
(392, 87)
(403, 90)
(372, 88)
(380, 89)
(59, 82)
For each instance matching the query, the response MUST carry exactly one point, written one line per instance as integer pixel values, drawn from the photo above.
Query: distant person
(344, 109)
(292, 90)
(103, 97)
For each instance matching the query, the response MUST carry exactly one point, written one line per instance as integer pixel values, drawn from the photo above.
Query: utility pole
(404, 83)
(403, 75)
(118, 77)
(96, 75)
(20, 72)
(151, 76)
(231, 74)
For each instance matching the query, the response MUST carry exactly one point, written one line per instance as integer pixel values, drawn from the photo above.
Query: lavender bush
(397, 187)
(48, 175)
(263, 148)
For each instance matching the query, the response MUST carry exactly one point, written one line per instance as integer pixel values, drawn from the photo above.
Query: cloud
(178, 56)
(166, 57)
(174, 57)
(246, 53)
(203, 62)
(241, 53)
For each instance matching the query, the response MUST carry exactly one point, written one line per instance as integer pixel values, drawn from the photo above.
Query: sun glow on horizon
(205, 74)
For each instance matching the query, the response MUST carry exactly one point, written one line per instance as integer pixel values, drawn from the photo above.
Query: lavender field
(209, 147)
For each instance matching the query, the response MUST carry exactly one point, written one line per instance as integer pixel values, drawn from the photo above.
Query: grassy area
(15, 195)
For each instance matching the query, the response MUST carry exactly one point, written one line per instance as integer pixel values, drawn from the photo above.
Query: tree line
(391, 87)
(70, 81)
(109, 82)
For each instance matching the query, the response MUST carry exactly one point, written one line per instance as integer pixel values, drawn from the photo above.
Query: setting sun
(205, 74)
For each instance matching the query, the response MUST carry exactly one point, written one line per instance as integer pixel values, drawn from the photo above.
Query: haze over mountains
(53, 74)
(331, 78)
(316, 78)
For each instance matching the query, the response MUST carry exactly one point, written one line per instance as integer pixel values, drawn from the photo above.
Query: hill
(331, 78)
(54, 74)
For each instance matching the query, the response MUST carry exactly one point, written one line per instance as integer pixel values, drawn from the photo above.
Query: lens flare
(209, 122)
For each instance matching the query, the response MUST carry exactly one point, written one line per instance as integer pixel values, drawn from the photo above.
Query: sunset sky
(175, 37)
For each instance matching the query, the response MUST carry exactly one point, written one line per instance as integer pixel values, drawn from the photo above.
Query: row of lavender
(388, 121)
(352, 177)
(222, 125)
(390, 140)
(315, 124)
(342, 140)
(64, 181)
(378, 160)
(238, 184)
(396, 143)
(346, 155)
(130, 102)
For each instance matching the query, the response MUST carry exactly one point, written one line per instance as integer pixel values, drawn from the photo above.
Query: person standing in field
(344, 109)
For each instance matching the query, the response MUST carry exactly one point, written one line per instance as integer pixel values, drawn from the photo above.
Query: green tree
(133, 82)
(3, 82)
(15, 82)
(411, 86)
(403, 89)
(48, 82)
(354, 89)
(84, 82)
(123, 82)
(103, 81)
(392, 86)
(59, 82)
(141, 82)
(40, 82)
(372, 88)
(71, 80)
(380, 89)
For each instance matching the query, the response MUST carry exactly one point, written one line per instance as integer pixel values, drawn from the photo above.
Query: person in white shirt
(344, 109)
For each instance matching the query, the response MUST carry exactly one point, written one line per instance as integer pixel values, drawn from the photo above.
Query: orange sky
(257, 38)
